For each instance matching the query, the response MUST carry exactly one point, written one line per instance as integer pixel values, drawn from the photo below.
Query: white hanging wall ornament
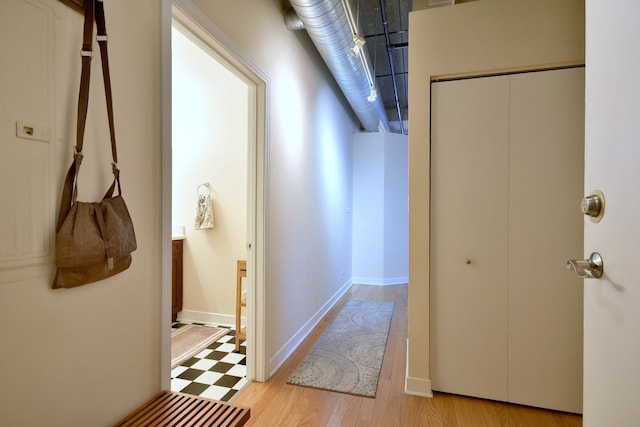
(204, 208)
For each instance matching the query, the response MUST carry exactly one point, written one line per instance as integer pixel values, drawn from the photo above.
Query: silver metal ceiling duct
(327, 24)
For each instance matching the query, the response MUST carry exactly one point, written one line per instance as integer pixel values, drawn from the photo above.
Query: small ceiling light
(358, 41)
(373, 95)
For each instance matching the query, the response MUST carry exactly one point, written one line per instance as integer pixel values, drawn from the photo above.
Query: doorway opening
(215, 181)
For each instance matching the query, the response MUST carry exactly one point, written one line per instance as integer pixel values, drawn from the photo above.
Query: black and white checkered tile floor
(217, 372)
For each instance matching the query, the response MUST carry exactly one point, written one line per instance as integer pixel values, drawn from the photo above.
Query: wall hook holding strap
(205, 188)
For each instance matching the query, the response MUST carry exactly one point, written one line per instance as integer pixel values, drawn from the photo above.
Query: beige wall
(88, 356)
(474, 38)
(84, 356)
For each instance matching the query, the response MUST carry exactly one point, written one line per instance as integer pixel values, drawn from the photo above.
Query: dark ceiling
(369, 15)
(370, 21)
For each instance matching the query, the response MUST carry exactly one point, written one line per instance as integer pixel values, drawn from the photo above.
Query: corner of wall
(416, 386)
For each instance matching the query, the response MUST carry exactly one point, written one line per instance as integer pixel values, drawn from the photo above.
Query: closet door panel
(469, 190)
(545, 229)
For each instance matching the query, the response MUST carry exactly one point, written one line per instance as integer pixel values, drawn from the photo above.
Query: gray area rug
(348, 356)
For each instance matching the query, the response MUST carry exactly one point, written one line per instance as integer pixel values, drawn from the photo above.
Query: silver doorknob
(591, 268)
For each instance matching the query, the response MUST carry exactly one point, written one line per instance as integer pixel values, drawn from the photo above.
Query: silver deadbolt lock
(593, 206)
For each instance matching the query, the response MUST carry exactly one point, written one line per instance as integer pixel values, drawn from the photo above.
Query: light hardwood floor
(276, 403)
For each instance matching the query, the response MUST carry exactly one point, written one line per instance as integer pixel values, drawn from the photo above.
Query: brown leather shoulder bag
(94, 239)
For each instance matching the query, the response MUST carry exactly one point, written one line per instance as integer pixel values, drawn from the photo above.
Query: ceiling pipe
(330, 30)
(385, 22)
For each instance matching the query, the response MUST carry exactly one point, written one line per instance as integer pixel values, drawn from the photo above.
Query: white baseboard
(191, 316)
(416, 386)
(283, 354)
(376, 281)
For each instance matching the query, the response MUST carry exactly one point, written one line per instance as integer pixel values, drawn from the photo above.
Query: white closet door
(545, 228)
(506, 183)
(469, 193)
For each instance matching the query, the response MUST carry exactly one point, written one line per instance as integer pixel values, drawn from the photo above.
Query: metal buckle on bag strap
(77, 156)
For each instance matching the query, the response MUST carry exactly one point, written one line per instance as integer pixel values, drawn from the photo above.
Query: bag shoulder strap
(93, 10)
(106, 76)
(86, 55)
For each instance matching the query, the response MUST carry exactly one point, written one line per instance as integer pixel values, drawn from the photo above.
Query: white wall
(210, 133)
(84, 356)
(473, 38)
(309, 177)
(380, 212)
(396, 208)
(368, 208)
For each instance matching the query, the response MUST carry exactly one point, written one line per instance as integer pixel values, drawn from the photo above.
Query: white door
(612, 164)
(546, 168)
(469, 238)
(506, 178)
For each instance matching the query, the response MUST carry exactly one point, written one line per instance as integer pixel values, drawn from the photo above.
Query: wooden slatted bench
(172, 409)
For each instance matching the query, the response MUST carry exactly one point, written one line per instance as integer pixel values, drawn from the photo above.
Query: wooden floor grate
(178, 409)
